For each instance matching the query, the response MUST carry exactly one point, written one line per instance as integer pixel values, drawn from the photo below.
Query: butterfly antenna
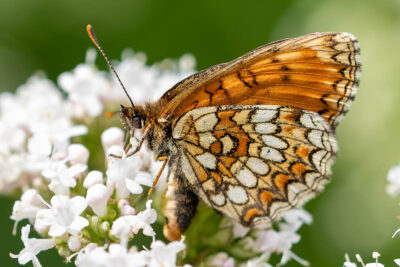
(92, 36)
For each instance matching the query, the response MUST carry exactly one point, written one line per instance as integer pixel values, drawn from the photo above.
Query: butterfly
(253, 137)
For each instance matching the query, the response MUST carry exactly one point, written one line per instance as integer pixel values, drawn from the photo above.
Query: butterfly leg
(158, 175)
(144, 136)
(179, 205)
(128, 144)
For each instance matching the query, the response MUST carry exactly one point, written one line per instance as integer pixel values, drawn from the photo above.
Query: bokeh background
(354, 214)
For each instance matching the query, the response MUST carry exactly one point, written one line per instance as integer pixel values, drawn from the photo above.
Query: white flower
(239, 230)
(97, 197)
(32, 247)
(222, 259)
(134, 223)
(149, 83)
(12, 137)
(61, 175)
(33, 126)
(28, 206)
(63, 215)
(122, 229)
(138, 78)
(116, 256)
(271, 241)
(85, 87)
(92, 256)
(347, 262)
(144, 219)
(375, 255)
(294, 219)
(11, 166)
(47, 115)
(393, 177)
(260, 261)
(126, 172)
(78, 153)
(162, 255)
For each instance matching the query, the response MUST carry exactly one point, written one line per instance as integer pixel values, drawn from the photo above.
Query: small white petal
(56, 230)
(92, 178)
(133, 187)
(77, 225)
(77, 169)
(78, 204)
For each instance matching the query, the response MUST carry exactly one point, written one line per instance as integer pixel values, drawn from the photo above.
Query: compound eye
(137, 122)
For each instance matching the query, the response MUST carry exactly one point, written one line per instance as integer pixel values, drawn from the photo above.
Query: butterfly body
(253, 137)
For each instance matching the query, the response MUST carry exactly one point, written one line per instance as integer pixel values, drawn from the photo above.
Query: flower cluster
(88, 205)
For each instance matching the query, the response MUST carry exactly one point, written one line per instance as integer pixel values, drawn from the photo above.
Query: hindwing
(252, 162)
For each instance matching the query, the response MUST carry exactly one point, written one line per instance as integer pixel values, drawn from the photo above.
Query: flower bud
(122, 202)
(93, 177)
(78, 153)
(127, 210)
(112, 137)
(97, 197)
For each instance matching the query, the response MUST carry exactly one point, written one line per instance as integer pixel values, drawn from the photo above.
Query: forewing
(253, 162)
(317, 72)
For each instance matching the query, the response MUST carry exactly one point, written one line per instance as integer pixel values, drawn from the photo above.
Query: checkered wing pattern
(253, 162)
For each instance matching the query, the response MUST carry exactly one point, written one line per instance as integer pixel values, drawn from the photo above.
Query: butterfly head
(132, 118)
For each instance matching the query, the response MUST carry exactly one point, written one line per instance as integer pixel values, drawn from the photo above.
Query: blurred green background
(354, 214)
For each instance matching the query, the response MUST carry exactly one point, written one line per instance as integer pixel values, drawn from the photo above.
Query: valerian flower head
(86, 87)
(92, 215)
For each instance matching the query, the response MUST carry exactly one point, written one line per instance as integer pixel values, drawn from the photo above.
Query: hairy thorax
(159, 137)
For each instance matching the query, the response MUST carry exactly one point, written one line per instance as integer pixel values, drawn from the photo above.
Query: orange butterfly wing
(316, 72)
(255, 136)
